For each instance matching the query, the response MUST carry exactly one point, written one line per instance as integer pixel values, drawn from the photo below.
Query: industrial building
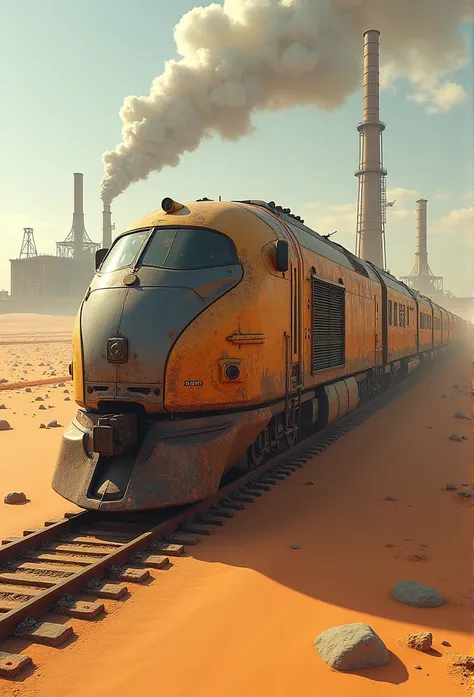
(58, 282)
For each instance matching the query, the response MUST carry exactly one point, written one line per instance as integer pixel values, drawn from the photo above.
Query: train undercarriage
(129, 461)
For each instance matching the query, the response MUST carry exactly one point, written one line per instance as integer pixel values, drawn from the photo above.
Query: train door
(295, 331)
(294, 342)
(379, 342)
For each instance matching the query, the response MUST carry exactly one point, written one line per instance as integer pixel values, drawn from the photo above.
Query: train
(214, 334)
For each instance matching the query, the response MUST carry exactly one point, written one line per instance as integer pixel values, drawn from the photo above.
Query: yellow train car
(215, 333)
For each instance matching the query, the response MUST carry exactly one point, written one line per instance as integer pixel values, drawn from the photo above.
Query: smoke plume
(261, 55)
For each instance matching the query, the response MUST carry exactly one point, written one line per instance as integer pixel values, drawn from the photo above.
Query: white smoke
(255, 55)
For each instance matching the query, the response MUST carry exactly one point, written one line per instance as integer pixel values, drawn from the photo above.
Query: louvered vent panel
(328, 325)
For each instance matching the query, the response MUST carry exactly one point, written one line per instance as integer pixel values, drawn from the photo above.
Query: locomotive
(215, 333)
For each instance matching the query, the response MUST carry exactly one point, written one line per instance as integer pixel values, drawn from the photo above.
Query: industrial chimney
(421, 253)
(78, 216)
(421, 277)
(371, 202)
(106, 226)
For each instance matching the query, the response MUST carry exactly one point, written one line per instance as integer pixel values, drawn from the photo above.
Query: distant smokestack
(106, 226)
(421, 253)
(421, 276)
(78, 217)
(372, 197)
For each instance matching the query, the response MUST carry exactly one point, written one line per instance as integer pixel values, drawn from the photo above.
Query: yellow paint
(77, 362)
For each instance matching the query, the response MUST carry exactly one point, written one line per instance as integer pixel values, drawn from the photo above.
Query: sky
(65, 69)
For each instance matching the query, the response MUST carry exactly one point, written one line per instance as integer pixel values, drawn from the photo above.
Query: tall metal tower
(77, 244)
(421, 277)
(28, 245)
(372, 192)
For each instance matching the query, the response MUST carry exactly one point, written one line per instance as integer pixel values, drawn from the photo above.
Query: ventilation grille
(328, 325)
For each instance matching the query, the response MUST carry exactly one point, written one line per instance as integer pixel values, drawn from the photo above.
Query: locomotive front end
(126, 449)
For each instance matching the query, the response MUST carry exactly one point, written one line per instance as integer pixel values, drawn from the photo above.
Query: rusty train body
(214, 333)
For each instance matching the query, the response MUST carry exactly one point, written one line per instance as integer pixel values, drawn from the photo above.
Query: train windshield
(186, 248)
(125, 251)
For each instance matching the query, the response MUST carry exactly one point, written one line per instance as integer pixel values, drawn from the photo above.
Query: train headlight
(171, 206)
(232, 371)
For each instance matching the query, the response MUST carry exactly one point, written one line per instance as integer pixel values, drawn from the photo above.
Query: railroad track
(97, 555)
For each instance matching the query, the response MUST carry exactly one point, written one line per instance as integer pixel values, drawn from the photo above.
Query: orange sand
(239, 614)
(28, 454)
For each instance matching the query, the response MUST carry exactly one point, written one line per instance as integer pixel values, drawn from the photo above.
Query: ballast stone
(414, 594)
(351, 647)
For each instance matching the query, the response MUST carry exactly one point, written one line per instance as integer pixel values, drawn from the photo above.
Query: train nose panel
(150, 319)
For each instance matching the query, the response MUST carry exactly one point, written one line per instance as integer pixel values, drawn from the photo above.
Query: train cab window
(124, 251)
(189, 248)
(390, 312)
(395, 314)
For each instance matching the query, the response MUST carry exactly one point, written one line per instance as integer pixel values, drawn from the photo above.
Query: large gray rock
(416, 595)
(351, 647)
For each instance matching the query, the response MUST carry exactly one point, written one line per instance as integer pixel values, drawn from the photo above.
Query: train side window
(395, 314)
(408, 315)
(390, 312)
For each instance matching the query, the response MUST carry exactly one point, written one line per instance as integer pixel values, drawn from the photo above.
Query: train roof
(308, 237)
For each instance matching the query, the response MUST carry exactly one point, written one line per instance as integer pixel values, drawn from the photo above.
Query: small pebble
(389, 498)
(295, 546)
(451, 487)
(4, 425)
(445, 643)
(460, 415)
(2, 406)
(455, 437)
(418, 667)
(42, 425)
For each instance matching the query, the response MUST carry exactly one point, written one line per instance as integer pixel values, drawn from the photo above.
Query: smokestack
(78, 216)
(421, 253)
(371, 198)
(106, 226)
(422, 277)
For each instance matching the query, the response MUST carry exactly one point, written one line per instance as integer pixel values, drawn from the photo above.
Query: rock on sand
(4, 425)
(416, 595)
(15, 497)
(351, 647)
(421, 641)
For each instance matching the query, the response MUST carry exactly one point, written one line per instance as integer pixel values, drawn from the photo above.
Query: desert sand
(238, 615)
(28, 453)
